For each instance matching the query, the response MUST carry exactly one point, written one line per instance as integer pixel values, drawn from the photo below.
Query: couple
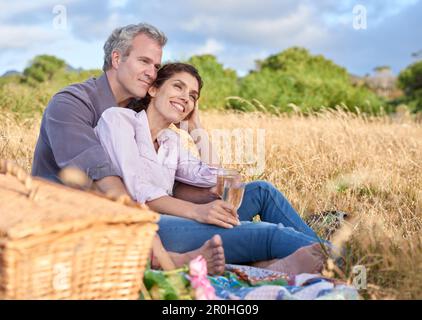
(94, 126)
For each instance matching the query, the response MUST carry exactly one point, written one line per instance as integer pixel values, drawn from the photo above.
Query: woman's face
(176, 97)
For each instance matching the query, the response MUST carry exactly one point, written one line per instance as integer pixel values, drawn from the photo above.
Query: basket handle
(10, 168)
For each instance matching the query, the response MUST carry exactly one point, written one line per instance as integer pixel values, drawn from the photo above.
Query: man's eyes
(146, 61)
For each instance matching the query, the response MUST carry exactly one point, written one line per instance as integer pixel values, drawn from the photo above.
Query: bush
(26, 97)
(219, 83)
(310, 82)
(410, 80)
(43, 68)
(290, 80)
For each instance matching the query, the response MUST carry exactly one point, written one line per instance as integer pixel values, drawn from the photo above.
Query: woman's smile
(178, 106)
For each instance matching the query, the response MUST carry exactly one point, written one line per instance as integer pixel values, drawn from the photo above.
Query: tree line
(290, 81)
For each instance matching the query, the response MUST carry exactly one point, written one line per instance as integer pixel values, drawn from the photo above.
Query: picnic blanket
(248, 283)
(241, 282)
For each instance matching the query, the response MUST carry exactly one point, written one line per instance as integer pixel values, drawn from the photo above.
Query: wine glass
(226, 174)
(233, 192)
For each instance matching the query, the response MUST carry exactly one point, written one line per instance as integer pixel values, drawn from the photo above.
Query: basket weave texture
(61, 243)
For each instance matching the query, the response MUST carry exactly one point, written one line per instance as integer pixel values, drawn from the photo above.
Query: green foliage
(293, 80)
(43, 68)
(381, 68)
(26, 99)
(168, 285)
(219, 83)
(410, 80)
(294, 77)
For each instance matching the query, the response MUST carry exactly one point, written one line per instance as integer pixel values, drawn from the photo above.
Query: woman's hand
(218, 212)
(193, 120)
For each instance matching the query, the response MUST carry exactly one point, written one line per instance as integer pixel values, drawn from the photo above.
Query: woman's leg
(264, 199)
(249, 242)
(212, 251)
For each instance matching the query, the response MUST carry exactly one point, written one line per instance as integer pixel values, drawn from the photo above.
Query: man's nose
(151, 73)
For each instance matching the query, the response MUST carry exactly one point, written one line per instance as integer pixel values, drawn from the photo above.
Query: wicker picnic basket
(57, 242)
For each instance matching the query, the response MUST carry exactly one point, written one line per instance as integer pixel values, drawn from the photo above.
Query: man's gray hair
(121, 40)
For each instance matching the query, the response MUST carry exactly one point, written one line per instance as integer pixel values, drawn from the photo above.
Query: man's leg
(309, 259)
(264, 199)
(249, 242)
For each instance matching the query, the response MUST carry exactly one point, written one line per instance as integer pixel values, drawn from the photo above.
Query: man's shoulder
(80, 91)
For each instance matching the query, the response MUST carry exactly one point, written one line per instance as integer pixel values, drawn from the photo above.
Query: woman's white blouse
(148, 174)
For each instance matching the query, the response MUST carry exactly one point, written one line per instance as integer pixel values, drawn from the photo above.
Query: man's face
(136, 72)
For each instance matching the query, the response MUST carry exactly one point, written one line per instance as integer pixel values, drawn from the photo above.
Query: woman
(149, 158)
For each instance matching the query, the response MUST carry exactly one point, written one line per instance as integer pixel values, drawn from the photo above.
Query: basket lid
(48, 207)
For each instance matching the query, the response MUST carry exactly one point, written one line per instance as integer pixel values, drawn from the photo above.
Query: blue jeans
(280, 233)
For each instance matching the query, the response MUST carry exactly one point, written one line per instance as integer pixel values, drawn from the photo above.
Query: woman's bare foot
(212, 251)
(309, 259)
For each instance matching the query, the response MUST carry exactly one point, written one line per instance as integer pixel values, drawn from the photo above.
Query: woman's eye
(178, 86)
(193, 98)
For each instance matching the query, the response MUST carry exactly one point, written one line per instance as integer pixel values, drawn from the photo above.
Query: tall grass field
(368, 167)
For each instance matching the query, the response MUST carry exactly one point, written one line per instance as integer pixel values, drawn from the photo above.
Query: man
(132, 57)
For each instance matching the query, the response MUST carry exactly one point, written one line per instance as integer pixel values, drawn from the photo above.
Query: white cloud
(211, 46)
(87, 55)
(113, 4)
(22, 37)
(236, 31)
(243, 62)
(301, 27)
(8, 9)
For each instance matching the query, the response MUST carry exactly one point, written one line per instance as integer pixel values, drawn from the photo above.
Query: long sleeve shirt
(67, 136)
(149, 174)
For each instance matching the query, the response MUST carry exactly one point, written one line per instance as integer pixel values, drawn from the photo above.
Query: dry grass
(18, 138)
(368, 167)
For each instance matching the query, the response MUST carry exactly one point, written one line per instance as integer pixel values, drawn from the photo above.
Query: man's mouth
(145, 82)
(179, 107)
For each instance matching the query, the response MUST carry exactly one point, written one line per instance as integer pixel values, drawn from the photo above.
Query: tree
(43, 68)
(219, 82)
(382, 68)
(312, 82)
(410, 80)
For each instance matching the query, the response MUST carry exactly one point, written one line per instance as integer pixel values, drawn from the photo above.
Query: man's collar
(105, 93)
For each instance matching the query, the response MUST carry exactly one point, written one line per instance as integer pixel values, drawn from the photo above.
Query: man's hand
(112, 186)
(218, 212)
(194, 194)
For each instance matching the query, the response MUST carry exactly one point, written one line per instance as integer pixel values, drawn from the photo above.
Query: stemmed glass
(233, 192)
(226, 174)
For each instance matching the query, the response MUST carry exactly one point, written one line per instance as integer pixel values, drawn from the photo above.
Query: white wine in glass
(226, 175)
(233, 192)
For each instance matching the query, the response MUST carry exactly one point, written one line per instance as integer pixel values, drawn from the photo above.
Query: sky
(358, 35)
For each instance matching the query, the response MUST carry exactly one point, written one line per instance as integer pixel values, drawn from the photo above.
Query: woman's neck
(156, 121)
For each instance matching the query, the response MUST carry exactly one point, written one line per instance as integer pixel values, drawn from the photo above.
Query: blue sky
(237, 31)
